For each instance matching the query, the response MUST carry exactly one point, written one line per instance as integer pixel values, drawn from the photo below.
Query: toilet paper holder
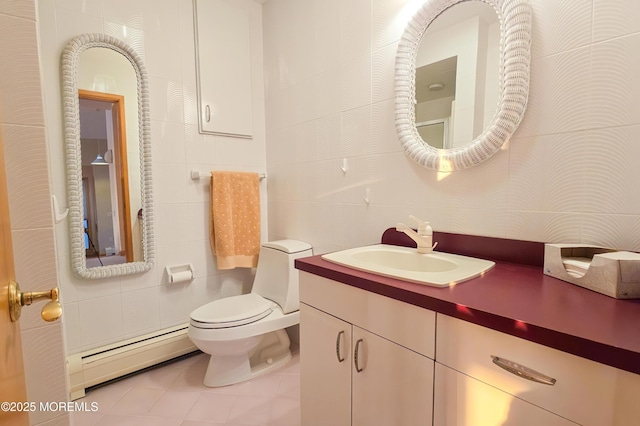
(178, 273)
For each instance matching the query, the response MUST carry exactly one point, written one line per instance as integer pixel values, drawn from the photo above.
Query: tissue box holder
(607, 271)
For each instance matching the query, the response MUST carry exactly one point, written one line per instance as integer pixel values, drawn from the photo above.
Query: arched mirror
(462, 80)
(105, 96)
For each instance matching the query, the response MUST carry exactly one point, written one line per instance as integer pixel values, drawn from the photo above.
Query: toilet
(245, 335)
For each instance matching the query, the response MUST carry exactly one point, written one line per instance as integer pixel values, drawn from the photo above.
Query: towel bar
(196, 174)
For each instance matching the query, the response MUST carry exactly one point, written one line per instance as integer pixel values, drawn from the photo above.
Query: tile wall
(569, 174)
(23, 132)
(104, 311)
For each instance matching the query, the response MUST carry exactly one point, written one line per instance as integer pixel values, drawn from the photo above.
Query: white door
(325, 369)
(392, 385)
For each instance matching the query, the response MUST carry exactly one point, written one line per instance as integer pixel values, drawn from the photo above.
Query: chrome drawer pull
(355, 357)
(524, 372)
(338, 346)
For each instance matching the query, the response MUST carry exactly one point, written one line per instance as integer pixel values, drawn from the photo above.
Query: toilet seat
(232, 311)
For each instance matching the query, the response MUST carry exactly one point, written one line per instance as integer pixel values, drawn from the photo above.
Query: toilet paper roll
(180, 276)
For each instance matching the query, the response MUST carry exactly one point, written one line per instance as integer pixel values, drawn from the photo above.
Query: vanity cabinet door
(325, 368)
(461, 400)
(392, 385)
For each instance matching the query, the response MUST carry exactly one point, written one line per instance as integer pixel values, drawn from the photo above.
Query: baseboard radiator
(109, 362)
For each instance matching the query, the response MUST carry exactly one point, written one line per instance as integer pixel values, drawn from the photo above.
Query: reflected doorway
(107, 218)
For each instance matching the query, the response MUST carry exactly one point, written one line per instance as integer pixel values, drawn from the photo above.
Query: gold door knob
(51, 311)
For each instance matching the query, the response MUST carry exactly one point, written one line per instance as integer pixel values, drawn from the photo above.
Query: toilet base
(272, 353)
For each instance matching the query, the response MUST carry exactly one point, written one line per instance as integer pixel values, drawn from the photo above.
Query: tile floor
(173, 395)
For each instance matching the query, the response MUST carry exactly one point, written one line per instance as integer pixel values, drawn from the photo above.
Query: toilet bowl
(245, 335)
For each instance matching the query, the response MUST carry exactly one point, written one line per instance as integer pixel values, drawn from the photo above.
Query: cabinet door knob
(339, 339)
(207, 113)
(356, 356)
(522, 371)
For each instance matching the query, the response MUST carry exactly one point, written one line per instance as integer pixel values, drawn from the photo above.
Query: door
(12, 383)
(392, 385)
(325, 369)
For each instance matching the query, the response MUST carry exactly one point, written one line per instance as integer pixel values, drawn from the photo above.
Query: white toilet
(245, 335)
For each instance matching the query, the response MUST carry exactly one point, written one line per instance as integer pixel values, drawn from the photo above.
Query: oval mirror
(462, 80)
(105, 95)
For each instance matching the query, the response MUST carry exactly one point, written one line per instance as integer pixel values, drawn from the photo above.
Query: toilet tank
(276, 276)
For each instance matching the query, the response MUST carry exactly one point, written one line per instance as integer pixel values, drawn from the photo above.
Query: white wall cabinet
(223, 59)
(350, 375)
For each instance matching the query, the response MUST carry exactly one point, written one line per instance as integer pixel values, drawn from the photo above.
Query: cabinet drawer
(463, 401)
(408, 325)
(584, 391)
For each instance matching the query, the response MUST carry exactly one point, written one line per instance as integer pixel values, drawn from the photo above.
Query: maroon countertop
(514, 297)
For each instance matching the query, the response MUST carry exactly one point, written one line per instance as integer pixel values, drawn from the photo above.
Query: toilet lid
(232, 311)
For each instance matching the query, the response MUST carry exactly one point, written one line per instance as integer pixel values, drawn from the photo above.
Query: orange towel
(234, 219)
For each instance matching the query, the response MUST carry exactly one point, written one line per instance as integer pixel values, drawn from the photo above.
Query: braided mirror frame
(70, 57)
(515, 57)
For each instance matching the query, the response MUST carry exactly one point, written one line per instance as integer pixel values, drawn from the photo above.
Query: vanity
(511, 347)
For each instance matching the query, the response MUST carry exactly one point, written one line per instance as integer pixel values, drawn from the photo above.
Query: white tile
(101, 320)
(140, 311)
(197, 221)
(187, 43)
(91, 289)
(355, 29)
(328, 92)
(170, 183)
(202, 258)
(355, 132)
(71, 323)
(479, 222)
(560, 26)
(616, 231)
(127, 13)
(390, 17)
(161, 24)
(614, 86)
(21, 8)
(171, 224)
(547, 173)
(355, 83)
(548, 227)
(130, 35)
(611, 171)
(168, 100)
(559, 94)
(175, 304)
(384, 138)
(205, 290)
(327, 46)
(168, 142)
(190, 96)
(20, 72)
(72, 23)
(615, 18)
(44, 369)
(383, 73)
(89, 7)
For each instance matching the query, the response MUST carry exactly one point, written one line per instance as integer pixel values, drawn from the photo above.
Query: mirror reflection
(457, 75)
(108, 113)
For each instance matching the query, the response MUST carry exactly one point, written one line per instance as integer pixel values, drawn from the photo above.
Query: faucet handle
(423, 227)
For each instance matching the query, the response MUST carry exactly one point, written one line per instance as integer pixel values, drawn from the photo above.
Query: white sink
(434, 269)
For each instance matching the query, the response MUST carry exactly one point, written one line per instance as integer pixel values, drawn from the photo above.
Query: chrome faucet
(424, 236)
